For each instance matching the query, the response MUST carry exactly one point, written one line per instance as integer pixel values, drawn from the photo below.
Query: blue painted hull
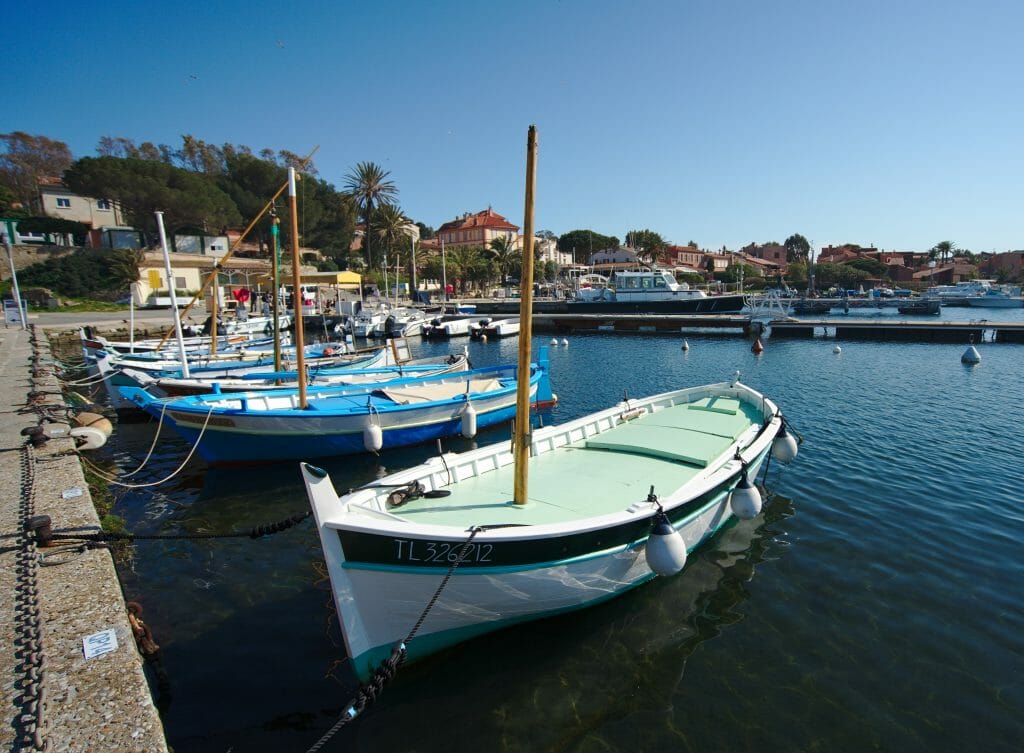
(223, 448)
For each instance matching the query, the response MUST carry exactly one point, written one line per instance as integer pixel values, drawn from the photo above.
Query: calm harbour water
(875, 605)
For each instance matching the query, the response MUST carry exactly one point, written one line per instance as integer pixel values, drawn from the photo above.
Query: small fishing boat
(354, 373)
(142, 371)
(262, 426)
(557, 519)
(602, 488)
(92, 343)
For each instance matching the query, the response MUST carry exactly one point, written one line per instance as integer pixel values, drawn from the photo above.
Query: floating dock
(642, 323)
(903, 331)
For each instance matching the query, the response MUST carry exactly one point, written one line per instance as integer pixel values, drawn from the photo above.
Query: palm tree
(945, 249)
(389, 225)
(123, 268)
(368, 185)
(465, 263)
(504, 252)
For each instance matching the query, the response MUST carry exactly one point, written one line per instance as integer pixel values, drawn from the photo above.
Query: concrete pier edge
(98, 704)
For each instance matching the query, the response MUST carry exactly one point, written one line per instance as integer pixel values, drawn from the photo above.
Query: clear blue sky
(893, 123)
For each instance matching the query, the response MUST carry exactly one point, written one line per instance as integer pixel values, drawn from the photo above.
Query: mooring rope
(156, 436)
(110, 479)
(369, 691)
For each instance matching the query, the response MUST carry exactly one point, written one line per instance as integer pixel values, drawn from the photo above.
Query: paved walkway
(98, 704)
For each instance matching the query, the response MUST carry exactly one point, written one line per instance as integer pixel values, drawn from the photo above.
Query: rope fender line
(369, 691)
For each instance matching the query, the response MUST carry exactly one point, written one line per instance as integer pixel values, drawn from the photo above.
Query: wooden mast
(300, 356)
(522, 436)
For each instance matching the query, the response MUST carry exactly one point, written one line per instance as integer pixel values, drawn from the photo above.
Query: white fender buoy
(554, 341)
(837, 349)
(565, 342)
(745, 499)
(483, 338)
(784, 446)
(373, 437)
(686, 345)
(666, 550)
(94, 420)
(88, 437)
(468, 424)
(971, 356)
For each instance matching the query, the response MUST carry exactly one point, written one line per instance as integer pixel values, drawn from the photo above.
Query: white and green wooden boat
(597, 489)
(553, 520)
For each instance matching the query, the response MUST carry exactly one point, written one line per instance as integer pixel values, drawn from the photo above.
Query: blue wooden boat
(263, 426)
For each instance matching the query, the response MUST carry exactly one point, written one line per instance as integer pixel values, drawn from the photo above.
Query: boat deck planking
(599, 486)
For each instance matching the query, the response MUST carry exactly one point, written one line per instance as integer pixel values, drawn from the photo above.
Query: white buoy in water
(837, 349)
(971, 356)
(745, 499)
(784, 446)
(554, 341)
(373, 437)
(565, 342)
(483, 338)
(686, 345)
(666, 550)
(468, 424)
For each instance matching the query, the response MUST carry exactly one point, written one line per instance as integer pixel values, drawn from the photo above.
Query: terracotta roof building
(478, 230)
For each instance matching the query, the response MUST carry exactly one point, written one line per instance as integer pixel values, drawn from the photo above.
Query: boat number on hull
(188, 418)
(440, 551)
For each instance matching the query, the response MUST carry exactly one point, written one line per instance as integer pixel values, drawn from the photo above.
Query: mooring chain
(369, 691)
(44, 535)
(28, 628)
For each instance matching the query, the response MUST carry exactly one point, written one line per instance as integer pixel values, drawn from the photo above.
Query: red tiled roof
(487, 218)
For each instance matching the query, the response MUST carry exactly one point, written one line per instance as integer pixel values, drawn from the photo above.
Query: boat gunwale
(544, 441)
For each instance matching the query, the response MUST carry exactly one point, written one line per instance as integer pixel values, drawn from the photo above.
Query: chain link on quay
(56, 697)
(30, 651)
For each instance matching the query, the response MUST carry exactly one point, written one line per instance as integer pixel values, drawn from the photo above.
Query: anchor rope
(110, 479)
(369, 691)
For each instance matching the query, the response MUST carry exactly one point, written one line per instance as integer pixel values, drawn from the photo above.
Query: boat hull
(483, 597)
(522, 564)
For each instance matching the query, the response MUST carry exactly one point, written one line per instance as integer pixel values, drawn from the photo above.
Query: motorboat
(651, 291)
(405, 322)
(998, 298)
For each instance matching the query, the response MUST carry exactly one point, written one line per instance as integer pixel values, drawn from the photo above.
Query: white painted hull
(391, 602)
(539, 567)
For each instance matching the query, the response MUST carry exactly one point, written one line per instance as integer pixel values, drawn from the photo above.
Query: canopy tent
(340, 279)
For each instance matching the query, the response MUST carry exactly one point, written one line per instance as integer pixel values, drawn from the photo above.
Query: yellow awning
(318, 278)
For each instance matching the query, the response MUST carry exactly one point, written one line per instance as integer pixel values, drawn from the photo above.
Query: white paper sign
(99, 643)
